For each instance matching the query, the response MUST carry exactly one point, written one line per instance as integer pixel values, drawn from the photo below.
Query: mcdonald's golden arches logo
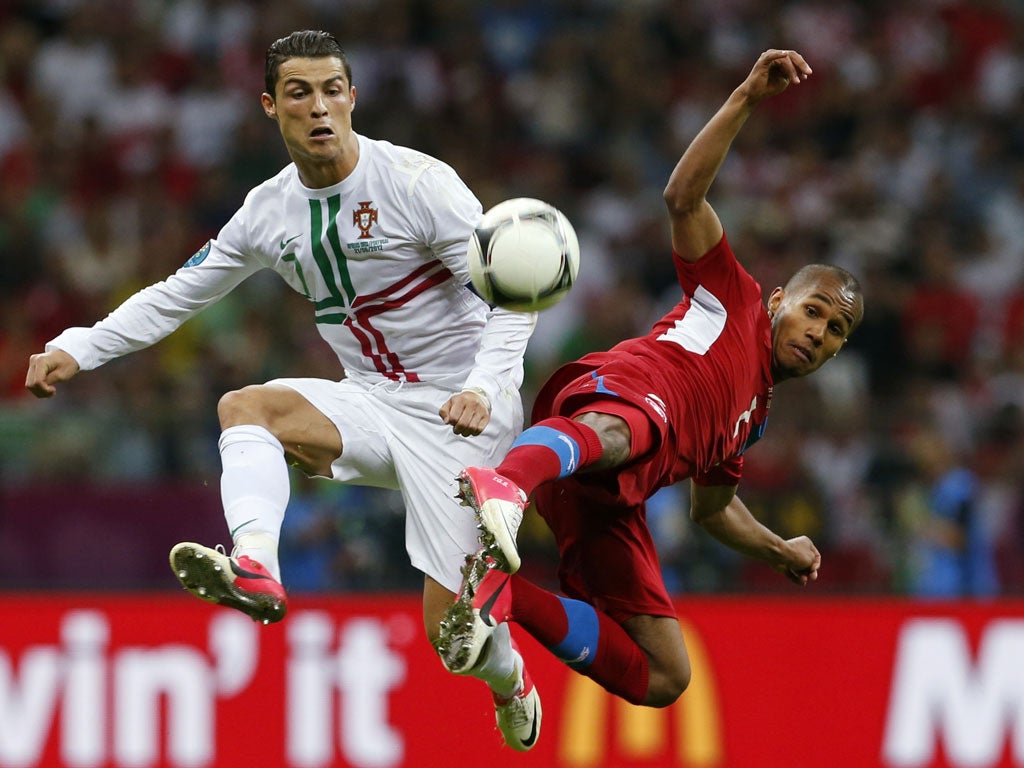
(687, 734)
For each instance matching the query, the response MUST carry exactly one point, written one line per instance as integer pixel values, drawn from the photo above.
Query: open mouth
(321, 133)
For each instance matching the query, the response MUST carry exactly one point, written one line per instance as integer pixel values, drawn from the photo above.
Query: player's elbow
(681, 199)
(708, 503)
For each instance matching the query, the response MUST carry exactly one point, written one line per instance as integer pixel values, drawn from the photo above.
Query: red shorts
(607, 555)
(616, 380)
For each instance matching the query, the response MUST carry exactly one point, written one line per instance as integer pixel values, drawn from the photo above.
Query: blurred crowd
(131, 131)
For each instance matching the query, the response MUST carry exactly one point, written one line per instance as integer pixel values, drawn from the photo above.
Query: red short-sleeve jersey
(703, 376)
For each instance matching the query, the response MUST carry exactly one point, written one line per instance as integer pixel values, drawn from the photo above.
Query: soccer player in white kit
(375, 236)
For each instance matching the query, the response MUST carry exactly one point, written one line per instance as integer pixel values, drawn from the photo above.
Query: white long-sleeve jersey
(382, 258)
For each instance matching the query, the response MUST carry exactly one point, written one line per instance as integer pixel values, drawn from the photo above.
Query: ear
(352, 98)
(269, 107)
(775, 300)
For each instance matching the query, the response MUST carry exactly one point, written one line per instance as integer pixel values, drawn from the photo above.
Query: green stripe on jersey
(331, 302)
(346, 294)
(323, 260)
(333, 208)
(338, 318)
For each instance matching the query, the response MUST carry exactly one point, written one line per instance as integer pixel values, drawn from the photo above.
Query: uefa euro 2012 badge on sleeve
(198, 256)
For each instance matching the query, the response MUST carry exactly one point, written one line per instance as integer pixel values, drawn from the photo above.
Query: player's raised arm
(695, 225)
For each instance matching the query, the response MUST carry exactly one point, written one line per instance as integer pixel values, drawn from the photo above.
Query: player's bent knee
(241, 406)
(615, 436)
(667, 685)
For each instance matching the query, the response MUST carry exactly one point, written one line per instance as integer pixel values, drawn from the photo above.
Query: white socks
(254, 488)
(498, 667)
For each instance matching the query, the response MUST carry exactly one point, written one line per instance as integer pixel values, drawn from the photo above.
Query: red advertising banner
(111, 681)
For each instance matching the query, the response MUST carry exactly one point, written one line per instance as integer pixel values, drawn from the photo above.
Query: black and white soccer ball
(524, 255)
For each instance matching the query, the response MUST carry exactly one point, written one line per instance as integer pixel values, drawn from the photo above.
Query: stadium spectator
(952, 551)
(940, 317)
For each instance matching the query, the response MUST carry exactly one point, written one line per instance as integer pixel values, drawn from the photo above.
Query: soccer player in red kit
(609, 430)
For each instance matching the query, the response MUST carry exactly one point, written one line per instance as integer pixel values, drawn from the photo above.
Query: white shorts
(393, 437)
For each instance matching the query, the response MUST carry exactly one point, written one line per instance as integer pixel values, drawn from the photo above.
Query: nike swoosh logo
(584, 655)
(283, 243)
(485, 609)
(572, 453)
(528, 742)
(239, 571)
(508, 528)
(240, 526)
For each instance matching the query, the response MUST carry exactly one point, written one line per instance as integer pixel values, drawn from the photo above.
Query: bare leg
(668, 662)
(311, 441)
(436, 600)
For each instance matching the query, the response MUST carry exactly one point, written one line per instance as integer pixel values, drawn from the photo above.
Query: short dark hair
(304, 44)
(811, 273)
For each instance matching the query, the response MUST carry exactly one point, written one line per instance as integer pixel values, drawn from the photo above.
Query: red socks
(585, 639)
(548, 450)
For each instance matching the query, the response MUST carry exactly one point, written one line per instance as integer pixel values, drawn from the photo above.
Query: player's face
(313, 104)
(810, 324)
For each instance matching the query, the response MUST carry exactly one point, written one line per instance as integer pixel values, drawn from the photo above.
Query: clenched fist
(48, 369)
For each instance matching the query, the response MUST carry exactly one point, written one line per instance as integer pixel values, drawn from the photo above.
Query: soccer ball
(523, 255)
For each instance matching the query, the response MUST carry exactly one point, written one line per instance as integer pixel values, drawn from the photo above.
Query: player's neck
(317, 173)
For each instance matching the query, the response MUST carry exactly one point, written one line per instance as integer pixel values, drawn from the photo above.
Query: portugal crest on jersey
(364, 218)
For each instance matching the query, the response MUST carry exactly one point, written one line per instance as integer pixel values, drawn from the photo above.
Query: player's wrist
(479, 392)
(778, 552)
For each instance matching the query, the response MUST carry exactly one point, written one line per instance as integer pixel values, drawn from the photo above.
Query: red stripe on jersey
(430, 266)
(367, 348)
(363, 314)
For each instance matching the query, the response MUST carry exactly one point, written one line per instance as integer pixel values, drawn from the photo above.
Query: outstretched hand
(774, 72)
(48, 369)
(802, 561)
